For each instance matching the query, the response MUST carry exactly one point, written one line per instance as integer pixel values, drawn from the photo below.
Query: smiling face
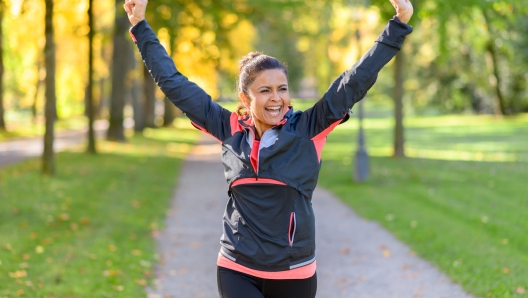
(269, 98)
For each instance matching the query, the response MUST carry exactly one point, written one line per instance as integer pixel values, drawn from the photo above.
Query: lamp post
(361, 160)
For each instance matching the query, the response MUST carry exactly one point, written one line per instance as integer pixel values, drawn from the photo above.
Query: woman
(271, 156)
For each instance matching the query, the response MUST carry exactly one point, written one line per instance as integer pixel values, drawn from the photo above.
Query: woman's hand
(404, 9)
(135, 10)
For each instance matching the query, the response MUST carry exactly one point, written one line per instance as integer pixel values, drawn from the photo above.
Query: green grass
(23, 127)
(87, 231)
(460, 201)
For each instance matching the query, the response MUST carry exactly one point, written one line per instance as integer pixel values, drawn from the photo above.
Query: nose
(275, 96)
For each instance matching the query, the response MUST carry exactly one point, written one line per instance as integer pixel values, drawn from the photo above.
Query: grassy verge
(25, 128)
(87, 231)
(460, 202)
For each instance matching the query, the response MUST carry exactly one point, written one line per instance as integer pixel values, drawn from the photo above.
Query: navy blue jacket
(269, 222)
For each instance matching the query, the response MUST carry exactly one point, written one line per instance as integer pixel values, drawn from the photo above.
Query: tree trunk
(135, 93)
(169, 113)
(120, 69)
(48, 158)
(399, 140)
(149, 91)
(500, 106)
(2, 111)
(89, 94)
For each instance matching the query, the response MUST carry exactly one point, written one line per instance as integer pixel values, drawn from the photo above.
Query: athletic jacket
(268, 224)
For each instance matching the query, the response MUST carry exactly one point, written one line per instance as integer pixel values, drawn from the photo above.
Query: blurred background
(445, 128)
(464, 56)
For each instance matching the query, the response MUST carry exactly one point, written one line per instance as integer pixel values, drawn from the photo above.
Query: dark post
(361, 163)
(361, 160)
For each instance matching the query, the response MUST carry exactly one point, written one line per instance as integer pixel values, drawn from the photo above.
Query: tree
(2, 120)
(149, 94)
(120, 68)
(48, 156)
(89, 90)
(399, 136)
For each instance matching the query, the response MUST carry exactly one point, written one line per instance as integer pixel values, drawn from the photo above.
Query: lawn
(460, 200)
(87, 231)
(21, 125)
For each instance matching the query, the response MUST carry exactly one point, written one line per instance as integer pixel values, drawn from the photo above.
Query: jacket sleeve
(205, 114)
(352, 85)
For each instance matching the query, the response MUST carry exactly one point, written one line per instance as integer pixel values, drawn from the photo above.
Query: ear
(245, 99)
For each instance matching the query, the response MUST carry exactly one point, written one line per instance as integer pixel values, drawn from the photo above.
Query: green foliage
(459, 203)
(87, 232)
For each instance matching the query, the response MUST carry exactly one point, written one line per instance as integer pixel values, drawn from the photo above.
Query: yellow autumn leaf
(18, 274)
(64, 216)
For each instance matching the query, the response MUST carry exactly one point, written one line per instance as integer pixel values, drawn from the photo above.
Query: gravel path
(14, 151)
(355, 258)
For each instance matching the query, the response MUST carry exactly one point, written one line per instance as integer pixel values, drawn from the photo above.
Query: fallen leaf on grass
(39, 249)
(136, 252)
(520, 290)
(505, 270)
(18, 274)
(141, 282)
(112, 272)
(112, 248)
(64, 216)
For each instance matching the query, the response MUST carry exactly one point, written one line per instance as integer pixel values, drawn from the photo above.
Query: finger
(128, 7)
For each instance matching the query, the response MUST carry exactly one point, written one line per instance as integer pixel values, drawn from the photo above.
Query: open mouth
(273, 111)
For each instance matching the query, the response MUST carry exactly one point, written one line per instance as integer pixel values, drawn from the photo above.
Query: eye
(264, 91)
(283, 89)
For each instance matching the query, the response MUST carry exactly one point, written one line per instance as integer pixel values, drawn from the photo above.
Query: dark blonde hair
(249, 67)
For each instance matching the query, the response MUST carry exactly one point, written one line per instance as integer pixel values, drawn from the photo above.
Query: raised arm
(352, 85)
(187, 96)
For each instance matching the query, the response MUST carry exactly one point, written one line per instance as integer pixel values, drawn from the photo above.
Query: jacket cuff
(394, 33)
(137, 29)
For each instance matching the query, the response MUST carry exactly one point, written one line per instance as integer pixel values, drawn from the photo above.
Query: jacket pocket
(291, 229)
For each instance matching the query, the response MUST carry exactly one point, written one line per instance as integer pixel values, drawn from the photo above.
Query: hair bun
(246, 59)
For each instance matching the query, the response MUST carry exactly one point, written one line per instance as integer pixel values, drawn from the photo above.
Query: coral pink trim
(254, 155)
(132, 35)
(255, 181)
(320, 139)
(203, 129)
(235, 125)
(319, 145)
(297, 273)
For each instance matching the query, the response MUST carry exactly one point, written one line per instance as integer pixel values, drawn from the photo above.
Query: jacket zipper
(291, 229)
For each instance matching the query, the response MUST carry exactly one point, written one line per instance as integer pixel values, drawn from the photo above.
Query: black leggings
(234, 284)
